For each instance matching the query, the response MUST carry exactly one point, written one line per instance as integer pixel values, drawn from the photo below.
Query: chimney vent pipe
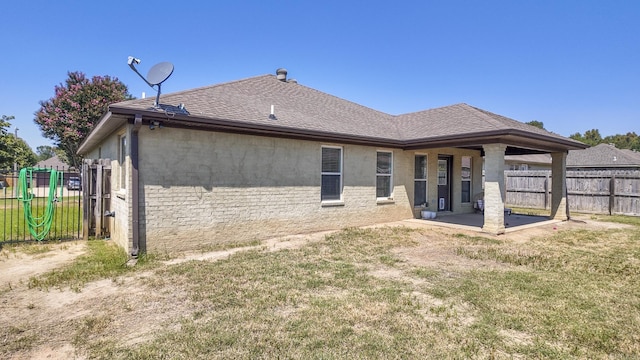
(281, 74)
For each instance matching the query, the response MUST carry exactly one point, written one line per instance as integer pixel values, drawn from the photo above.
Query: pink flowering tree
(78, 104)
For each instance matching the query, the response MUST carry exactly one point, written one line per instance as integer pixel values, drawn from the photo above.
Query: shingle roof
(300, 110)
(460, 118)
(633, 153)
(295, 105)
(603, 155)
(53, 162)
(544, 159)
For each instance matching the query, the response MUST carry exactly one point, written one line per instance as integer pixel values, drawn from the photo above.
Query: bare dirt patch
(17, 266)
(275, 244)
(130, 309)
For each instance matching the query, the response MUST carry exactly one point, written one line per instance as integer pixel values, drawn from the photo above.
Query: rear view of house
(264, 156)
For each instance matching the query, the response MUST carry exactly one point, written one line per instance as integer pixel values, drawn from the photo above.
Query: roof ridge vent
(281, 74)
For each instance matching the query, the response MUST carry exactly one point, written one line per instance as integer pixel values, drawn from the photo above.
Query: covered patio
(492, 136)
(475, 221)
(494, 219)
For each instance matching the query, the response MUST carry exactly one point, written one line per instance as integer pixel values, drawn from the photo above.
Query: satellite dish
(156, 75)
(159, 73)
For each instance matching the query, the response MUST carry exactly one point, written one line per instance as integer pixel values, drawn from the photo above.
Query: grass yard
(390, 292)
(66, 222)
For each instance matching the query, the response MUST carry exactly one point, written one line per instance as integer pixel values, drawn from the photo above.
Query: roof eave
(235, 126)
(107, 124)
(512, 137)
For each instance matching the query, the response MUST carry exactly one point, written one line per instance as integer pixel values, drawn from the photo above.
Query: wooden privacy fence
(596, 191)
(96, 185)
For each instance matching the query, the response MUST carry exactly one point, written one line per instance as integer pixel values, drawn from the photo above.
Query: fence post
(98, 206)
(612, 194)
(546, 192)
(86, 182)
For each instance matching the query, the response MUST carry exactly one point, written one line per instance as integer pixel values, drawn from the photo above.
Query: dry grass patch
(389, 292)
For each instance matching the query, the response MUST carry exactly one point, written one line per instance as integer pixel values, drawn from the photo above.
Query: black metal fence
(16, 211)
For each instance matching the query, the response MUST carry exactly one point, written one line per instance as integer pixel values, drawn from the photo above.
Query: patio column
(559, 186)
(494, 191)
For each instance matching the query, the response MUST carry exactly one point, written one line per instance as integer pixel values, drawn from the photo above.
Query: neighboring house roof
(633, 153)
(53, 163)
(305, 113)
(540, 159)
(599, 156)
(603, 155)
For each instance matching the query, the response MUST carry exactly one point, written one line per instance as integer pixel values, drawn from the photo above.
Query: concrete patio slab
(473, 222)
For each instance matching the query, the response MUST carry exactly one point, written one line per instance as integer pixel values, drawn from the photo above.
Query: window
(122, 156)
(331, 188)
(420, 181)
(466, 179)
(384, 174)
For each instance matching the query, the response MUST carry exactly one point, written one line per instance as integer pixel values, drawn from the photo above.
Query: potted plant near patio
(425, 213)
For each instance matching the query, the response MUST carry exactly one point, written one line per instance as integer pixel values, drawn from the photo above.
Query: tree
(12, 149)
(628, 141)
(536, 123)
(24, 155)
(591, 137)
(69, 116)
(45, 152)
(6, 158)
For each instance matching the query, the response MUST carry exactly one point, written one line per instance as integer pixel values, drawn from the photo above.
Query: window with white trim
(384, 174)
(466, 179)
(331, 188)
(122, 157)
(420, 181)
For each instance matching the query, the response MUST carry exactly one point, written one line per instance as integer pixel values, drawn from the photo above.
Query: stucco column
(559, 186)
(494, 192)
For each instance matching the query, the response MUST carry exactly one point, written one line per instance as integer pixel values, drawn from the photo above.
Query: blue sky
(572, 64)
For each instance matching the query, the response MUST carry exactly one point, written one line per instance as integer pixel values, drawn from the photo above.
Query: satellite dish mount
(156, 75)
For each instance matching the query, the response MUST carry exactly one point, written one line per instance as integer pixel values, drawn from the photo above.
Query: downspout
(135, 191)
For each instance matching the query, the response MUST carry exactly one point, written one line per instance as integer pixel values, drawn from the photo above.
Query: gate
(96, 184)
